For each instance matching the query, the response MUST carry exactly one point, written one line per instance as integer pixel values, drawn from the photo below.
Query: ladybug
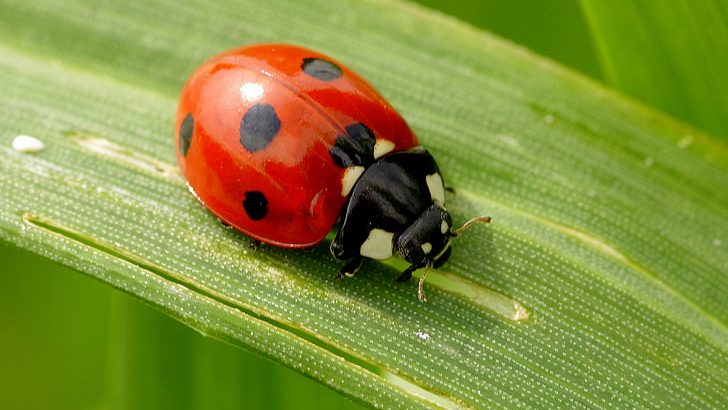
(281, 142)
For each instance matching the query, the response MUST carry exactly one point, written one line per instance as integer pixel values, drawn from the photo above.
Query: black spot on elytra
(255, 205)
(186, 129)
(321, 69)
(259, 126)
(354, 148)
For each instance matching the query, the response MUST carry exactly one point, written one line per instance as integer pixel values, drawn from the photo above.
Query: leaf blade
(546, 142)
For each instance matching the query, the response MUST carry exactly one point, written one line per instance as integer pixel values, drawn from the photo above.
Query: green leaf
(669, 53)
(556, 28)
(600, 283)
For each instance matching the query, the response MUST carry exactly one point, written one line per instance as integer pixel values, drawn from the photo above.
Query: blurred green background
(71, 342)
(556, 29)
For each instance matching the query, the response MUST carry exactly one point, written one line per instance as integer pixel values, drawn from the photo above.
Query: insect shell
(280, 142)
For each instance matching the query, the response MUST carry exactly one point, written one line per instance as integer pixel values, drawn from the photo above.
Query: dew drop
(685, 141)
(510, 140)
(26, 143)
(423, 336)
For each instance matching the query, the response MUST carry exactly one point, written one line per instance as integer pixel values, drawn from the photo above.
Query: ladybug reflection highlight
(281, 142)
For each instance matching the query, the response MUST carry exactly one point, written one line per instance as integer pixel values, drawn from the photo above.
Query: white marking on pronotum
(378, 244)
(444, 227)
(437, 189)
(382, 147)
(426, 248)
(351, 175)
(26, 143)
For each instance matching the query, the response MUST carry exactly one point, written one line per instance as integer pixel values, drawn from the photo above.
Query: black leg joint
(351, 268)
(407, 274)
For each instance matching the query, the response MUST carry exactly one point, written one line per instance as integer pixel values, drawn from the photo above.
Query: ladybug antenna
(421, 285)
(466, 225)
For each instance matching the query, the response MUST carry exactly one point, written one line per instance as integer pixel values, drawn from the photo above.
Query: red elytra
(254, 128)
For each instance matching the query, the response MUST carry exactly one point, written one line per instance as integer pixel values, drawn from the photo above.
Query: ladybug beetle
(281, 142)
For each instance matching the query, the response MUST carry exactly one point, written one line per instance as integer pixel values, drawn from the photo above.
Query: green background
(71, 342)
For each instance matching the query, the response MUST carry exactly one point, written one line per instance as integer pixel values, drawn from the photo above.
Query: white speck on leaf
(26, 143)
(423, 335)
(685, 141)
(510, 140)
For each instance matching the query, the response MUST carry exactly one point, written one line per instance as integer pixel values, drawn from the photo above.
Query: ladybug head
(426, 243)
(427, 240)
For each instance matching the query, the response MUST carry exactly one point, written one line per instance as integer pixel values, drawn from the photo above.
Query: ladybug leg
(255, 245)
(442, 258)
(421, 285)
(351, 268)
(407, 274)
(450, 190)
